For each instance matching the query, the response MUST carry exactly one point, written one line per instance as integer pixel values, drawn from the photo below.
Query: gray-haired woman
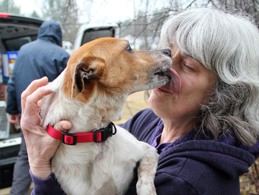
(204, 125)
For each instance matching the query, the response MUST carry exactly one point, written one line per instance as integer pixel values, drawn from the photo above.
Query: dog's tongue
(175, 82)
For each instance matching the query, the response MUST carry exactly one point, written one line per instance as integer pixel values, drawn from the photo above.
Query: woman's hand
(40, 146)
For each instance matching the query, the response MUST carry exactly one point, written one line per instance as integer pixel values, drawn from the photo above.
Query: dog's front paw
(146, 173)
(145, 187)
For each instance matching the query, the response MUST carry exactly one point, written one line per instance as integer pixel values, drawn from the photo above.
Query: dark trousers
(21, 176)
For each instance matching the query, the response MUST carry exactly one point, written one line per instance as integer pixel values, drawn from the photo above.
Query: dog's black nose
(166, 52)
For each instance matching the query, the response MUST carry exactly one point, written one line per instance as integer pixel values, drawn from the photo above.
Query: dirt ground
(135, 102)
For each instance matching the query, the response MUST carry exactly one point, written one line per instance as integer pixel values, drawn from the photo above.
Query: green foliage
(8, 6)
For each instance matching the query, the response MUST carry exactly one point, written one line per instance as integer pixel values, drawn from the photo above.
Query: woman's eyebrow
(187, 56)
(190, 57)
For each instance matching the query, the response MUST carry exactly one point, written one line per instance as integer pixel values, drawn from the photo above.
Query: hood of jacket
(232, 160)
(226, 154)
(51, 31)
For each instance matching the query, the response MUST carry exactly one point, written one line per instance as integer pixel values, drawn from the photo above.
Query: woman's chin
(157, 99)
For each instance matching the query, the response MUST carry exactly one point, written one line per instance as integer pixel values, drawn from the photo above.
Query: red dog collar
(72, 138)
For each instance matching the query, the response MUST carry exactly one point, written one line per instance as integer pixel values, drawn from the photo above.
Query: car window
(16, 43)
(92, 34)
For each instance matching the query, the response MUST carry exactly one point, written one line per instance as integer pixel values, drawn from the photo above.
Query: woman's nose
(166, 52)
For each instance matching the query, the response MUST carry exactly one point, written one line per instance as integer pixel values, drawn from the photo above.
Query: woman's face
(183, 103)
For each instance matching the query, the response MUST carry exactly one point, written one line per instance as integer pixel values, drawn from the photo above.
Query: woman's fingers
(29, 100)
(63, 126)
(32, 88)
(40, 146)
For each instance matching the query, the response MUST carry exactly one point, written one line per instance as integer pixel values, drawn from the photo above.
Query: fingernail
(65, 126)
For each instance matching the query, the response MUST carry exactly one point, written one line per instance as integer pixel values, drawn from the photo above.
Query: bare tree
(250, 7)
(64, 11)
(9, 6)
(148, 22)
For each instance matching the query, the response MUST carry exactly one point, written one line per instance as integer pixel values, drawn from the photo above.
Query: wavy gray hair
(228, 45)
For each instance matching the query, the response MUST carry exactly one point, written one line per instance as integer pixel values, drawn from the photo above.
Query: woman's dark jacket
(192, 165)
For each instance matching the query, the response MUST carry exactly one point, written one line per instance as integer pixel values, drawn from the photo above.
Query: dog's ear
(86, 70)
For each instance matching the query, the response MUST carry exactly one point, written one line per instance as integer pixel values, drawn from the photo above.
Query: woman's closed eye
(188, 66)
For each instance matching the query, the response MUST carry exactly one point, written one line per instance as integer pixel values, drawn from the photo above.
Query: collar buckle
(68, 138)
(106, 132)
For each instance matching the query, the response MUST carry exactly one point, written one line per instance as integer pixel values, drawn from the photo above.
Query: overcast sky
(27, 6)
(104, 10)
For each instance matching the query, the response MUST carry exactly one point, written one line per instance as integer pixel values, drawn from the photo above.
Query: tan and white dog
(90, 93)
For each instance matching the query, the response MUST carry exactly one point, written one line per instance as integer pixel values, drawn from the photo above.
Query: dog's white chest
(99, 168)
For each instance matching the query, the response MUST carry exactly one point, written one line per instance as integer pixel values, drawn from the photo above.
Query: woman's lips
(161, 89)
(174, 83)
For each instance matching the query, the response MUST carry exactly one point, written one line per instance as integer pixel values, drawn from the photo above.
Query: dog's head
(110, 66)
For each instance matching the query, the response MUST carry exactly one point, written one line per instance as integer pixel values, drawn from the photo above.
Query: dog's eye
(129, 49)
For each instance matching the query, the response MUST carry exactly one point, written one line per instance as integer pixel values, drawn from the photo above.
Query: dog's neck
(96, 114)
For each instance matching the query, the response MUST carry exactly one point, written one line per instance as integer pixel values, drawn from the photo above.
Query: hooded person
(42, 57)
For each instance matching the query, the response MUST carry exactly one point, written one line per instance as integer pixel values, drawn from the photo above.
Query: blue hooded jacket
(43, 57)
